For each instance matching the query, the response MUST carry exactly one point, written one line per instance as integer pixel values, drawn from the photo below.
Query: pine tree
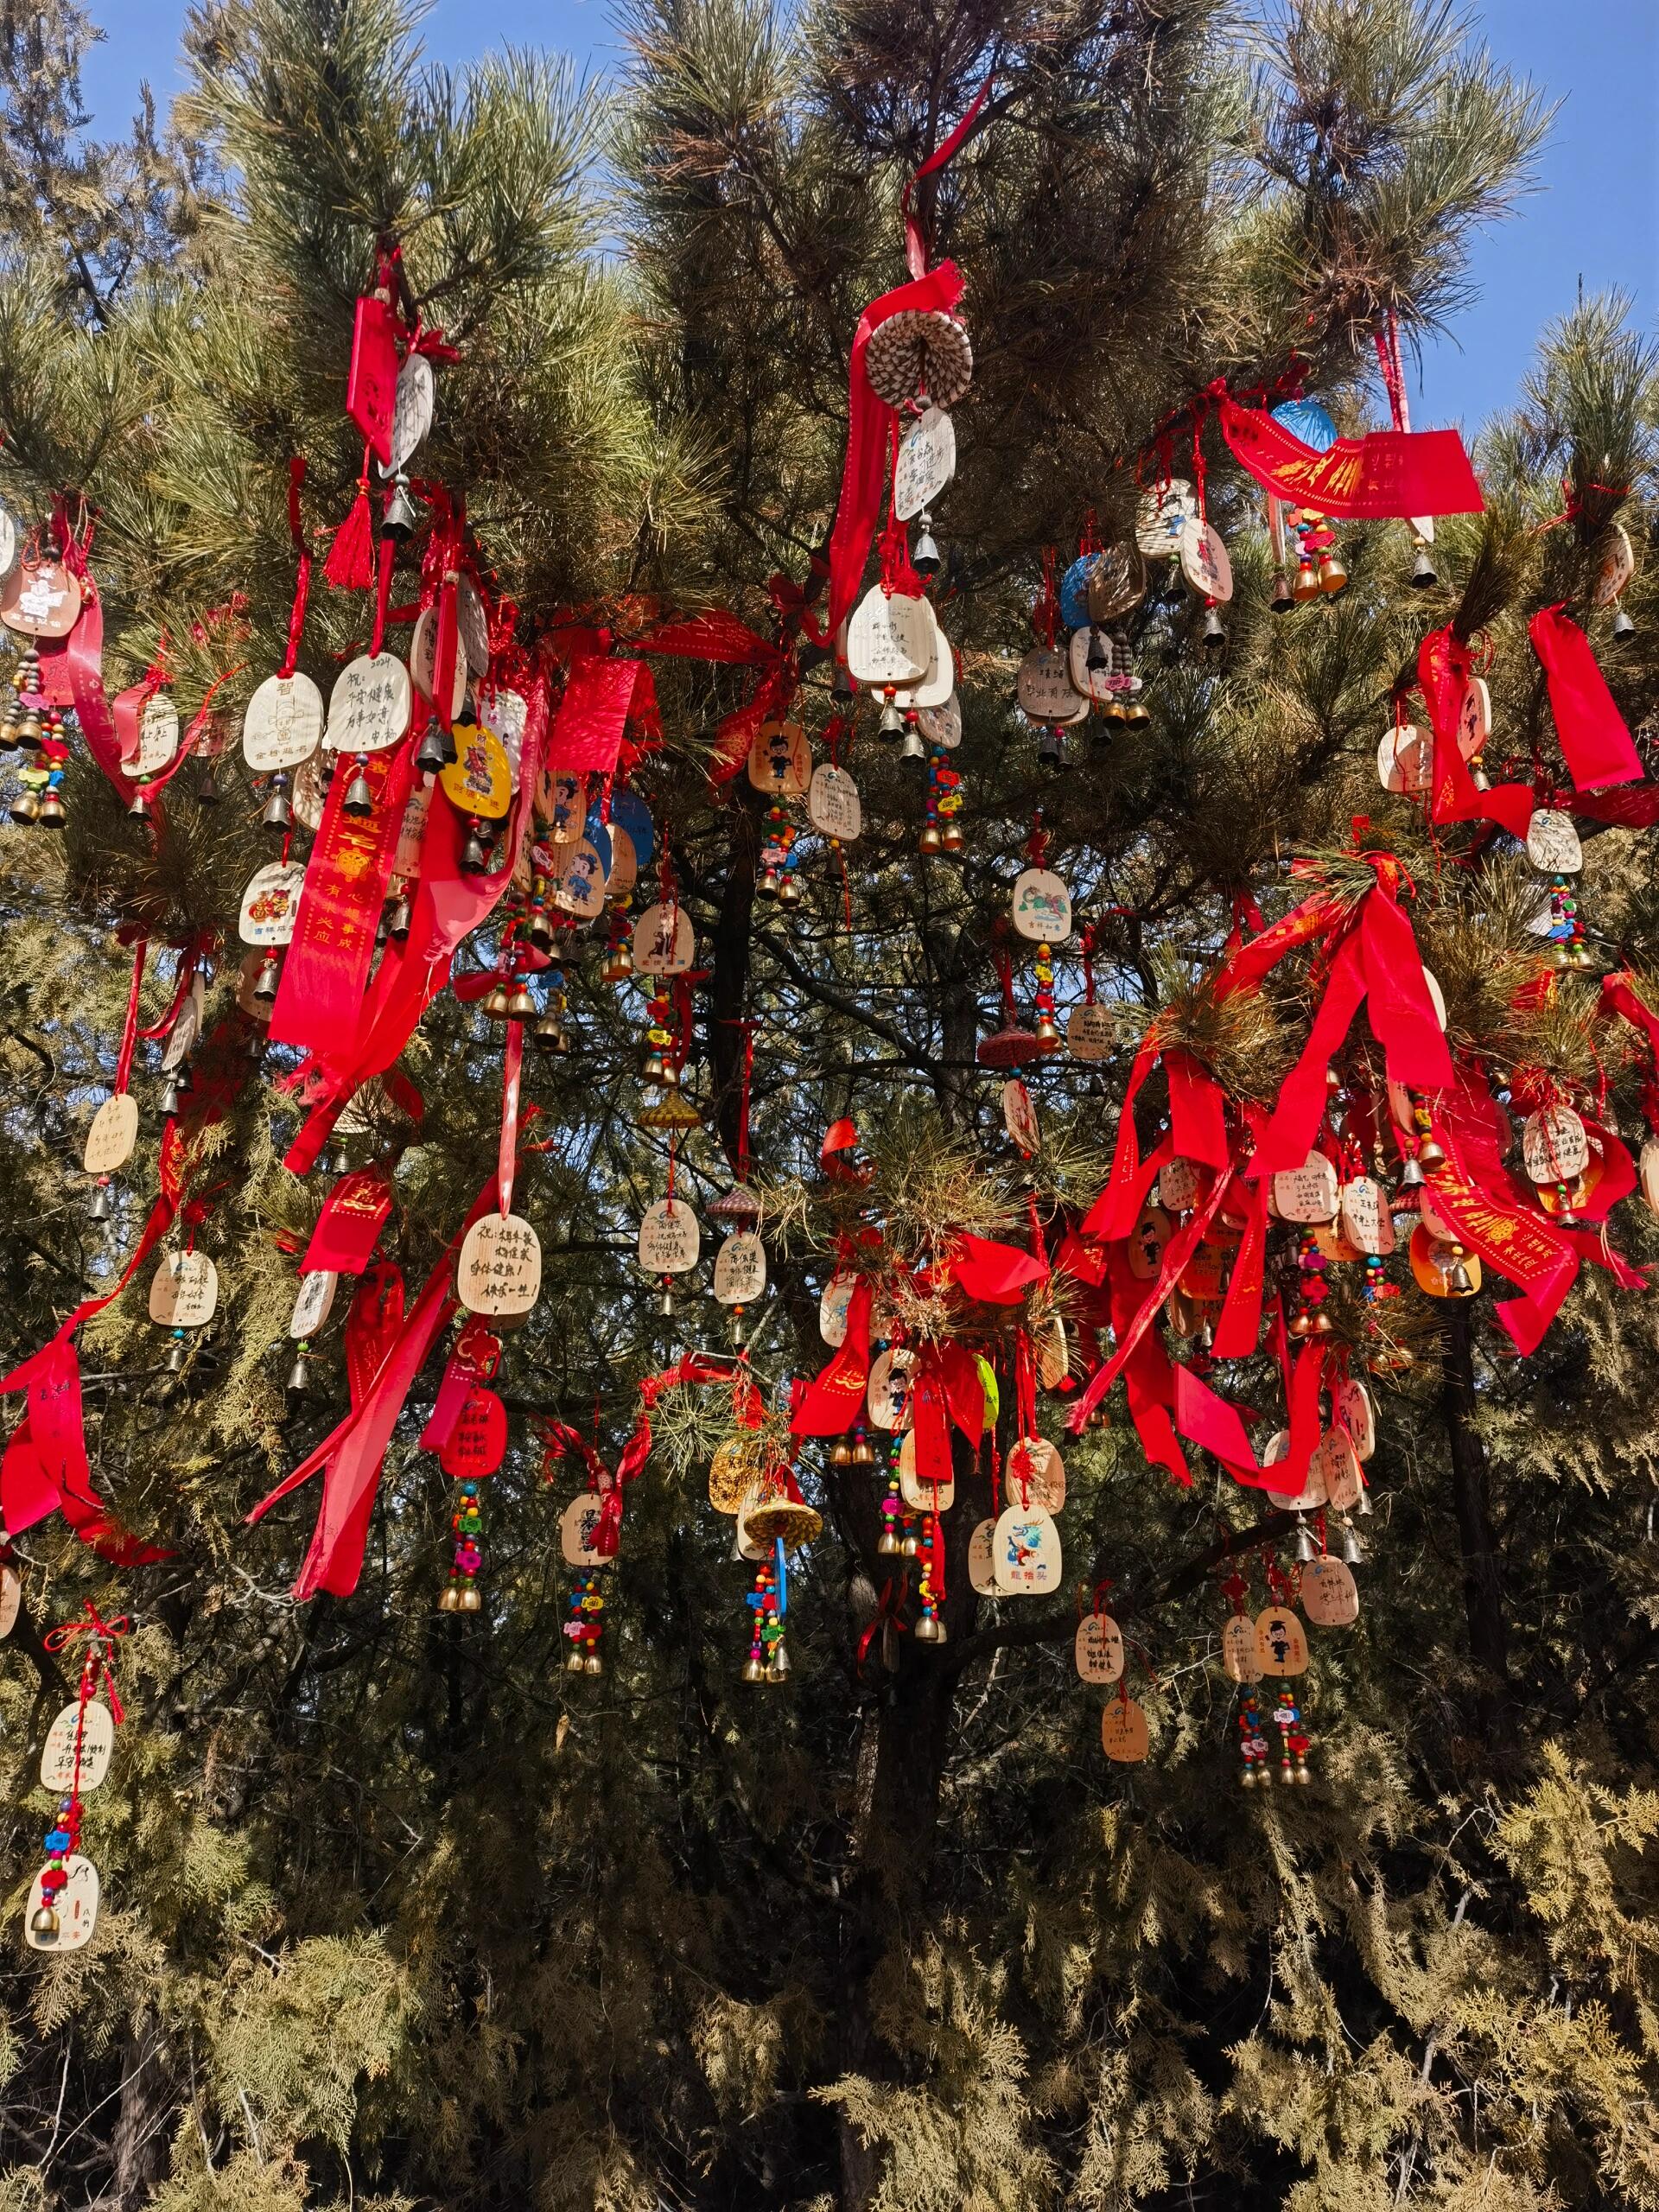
(395, 1911)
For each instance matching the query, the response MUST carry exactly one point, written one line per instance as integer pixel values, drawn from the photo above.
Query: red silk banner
(601, 697)
(719, 636)
(1528, 1253)
(1595, 742)
(371, 382)
(1384, 474)
(349, 1226)
(992, 1273)
(376, 1316)
(1444, 674)
(319, 997)
(829, 1403)
(870, 426)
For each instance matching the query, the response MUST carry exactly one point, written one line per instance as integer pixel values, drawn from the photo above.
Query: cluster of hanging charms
(1172, 526)
(587, 1543)
(1043, 689)
(1098, 595)
(1554, 850)
(664, 945)
(1307, 565)
(1098, 1651)
(62, 1906)
(40, 599)
(472, 1449)
(773, 1519)
(780, 767)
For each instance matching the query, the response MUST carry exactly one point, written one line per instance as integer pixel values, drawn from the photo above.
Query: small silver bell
(1411, 1176)
(1051, 748)
(402, 515)
(1305, 1547)
(1353, 1552)
(430, 754)
(208, 789)
(843, 687)
(298, 1379)
(666, 1305)
(929, 1630)
(1623, 628)
(170, 1099)
(398, 920)
(893, 722)
(140, 808)
(359, 800)
(1098, 660)
(1214, 636)
(1423, 572)
(1459, 1281)
(1281, 600)
(474, 858)
(103, 1205)
(277, 814)
(339, 1162)
(912, 749)
(175, 1356)
(925, 559)
(738, 1326)
(271, 974)
(777, 1666)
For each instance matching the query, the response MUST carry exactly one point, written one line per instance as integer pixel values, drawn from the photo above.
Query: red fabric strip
(1384, 474)
(1594, 740)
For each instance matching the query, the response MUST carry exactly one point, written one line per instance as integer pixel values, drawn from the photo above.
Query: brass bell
(929, 1630)
(951, 837)
(277, 814)
(618, 965)
(893, 722)
(52, 810)
(1423, 573)
(925, 559)
(912, 749)
(1623, 628)
(1281, 601)
(549, 1032)
(1306, 586)
(1334, 577)
(521, 1006)
(103, 1205)
(1459, 1281)
(271, 974)
(789, 894)
(29, 731)
(1137, 713)
(538, 931)
(1429, 1155)
(470, 1600)
(754, 1671)
(429, 755)
(397, 921)
(1300, 1324)
(778, 1665)
(653, 1069)
(497, 1004)
(738, 1328)
(450, 1600)
(910, 1547)
(862, 1455)
(842, 1454)
(1049, 1039)
(592, 1664)
(26, 807)
(1319, 1325)
(1214, 637)
(44, 1922)
(338, 1162)
(930, 841)
(771, 883)
(669, 1078)
(889, 1547)
(574, 1663)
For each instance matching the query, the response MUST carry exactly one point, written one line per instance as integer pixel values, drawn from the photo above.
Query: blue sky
(1595, 218)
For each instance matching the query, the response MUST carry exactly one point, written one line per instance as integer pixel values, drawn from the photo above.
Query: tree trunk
(140, 2140)
(1482, 1591)
(729, 983)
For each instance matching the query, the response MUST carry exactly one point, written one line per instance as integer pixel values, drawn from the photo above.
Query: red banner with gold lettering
(1385, 473)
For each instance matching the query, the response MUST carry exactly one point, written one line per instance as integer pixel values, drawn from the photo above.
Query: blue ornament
(1074, 593)
(630, 812)
(598, 837)
(1306, 420)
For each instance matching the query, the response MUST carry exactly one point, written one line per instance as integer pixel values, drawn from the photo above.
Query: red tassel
(350, 565)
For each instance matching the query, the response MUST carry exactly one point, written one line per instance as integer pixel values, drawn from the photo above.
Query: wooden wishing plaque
(1098, 1647)
(96, 1733)
(75, 1903)
(1124, 1733)
(1330, 1598)
(670, 1238)
(184, 1291)
(1027, 1550)
(112, 1134)
(282, 725)
(499, 1270)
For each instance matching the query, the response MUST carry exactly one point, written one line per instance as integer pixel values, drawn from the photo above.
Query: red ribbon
(1444, 674)
(601, 698)
(829, 1403)
(512, 1063)
(1385, 473)
(130, 1026)
(349, 1226)
(915, 244)
(1594, 740)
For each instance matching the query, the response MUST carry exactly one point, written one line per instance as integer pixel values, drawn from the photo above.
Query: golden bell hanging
(26, 807)
(930, 841)
(950, 837)
(28, 732)
(470, 1600)
(769, 885)
(521, 1006)
(618, 966)
(1300, 1324)
(842, 1454)
(44, 1922)
(910, 1547)
(1049, 1039)
(1280, 600)
(592, 1664)
(1429, 1155)
(928, 1630)
(652, 1069)
(573, 1664)
(450, 1600)
(1334, 577)
(669, 1078)
(1306, 586)
(789, 894)
(52, 812)
(754, 1671)
(862, 1455)
(497, 1004)
(889, 1547)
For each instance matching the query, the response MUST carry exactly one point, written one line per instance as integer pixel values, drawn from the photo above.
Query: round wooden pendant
(1618, 567)
(1053, 1354)
(1329, 1596)
(942, 726)
(158, 737)
(579, 887)
(1555, 1146)
(95, 1731)
(478, 780)
(1474, 718)
(1366, 1221)
(1335, 1465)
(1098, 1647)
(1123, 1734)
(1041, 907)
(981, 1558)
(477, 1444)
(663, 941)
(1019, 1117)
(1311, 1495)
(578, 1526)
(1280, 1642)
(1089, 1031)
(40, 599)
(780, 760)
(1306, 1193)
(1553, 843)
(561, 802)
(1355, 1412)
(832, 804)
(270, 905)
(1177, 1185)
(370, 706)
(1239, 1656)
(926, 462)
(938, 681)
(1035, 1474)
(282, 725)
(1205, 563)
(889, 639)
(1151, 1233)
(1044, 690)
(1404, 761)
(499, 1270)
(308, 793)
(670, 1238)
(1161, 518)
(740, 1269)
(1028, 1553)
(184, 1291)
(75, 1905)
(1433, 1264)
(887, 1395)
(112, 1136)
